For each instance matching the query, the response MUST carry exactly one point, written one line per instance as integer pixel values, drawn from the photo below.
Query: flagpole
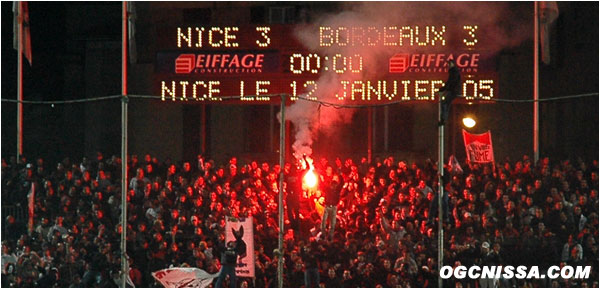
(440, 193)
(369, 134)
(20, 81)
(281, 166)
(124, 100)
(386, 128)
(536, 105)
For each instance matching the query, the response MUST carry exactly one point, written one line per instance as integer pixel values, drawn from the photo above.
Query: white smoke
(503, 27)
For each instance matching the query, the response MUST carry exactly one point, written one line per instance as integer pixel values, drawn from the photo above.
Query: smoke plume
(500, 26)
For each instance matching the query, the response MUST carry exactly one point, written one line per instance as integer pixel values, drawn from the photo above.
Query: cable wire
(546, 99)
(321, 102)
(93, 99)
(339, 106)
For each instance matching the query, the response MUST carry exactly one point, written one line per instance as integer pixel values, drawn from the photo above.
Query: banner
(245, 264)
(179, 277)
(479, 147)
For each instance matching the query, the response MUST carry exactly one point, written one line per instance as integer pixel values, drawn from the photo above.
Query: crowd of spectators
(511, 213)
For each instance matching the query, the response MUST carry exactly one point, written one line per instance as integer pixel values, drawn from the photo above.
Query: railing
(20, 213)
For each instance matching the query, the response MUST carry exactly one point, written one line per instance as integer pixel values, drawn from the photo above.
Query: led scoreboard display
(334, 64)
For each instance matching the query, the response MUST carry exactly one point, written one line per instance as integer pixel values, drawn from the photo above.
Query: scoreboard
(345, 65)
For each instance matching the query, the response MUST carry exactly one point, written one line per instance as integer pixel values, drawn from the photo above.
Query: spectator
(332, 280)
(229, 259)
(348, 280)
(138, 183)
(8, 257)
(332, 197)
(12, 230)
(516, 213)
(310, 258)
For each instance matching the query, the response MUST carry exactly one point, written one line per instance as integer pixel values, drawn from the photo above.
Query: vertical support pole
(440, 193)
(374, 129)
(536, 105)
(203, 131)
(282, 129)
(454, 129)
(370, 135)
(124, 100)
(20, 81)
(271, 127)
(386, 128)
(288, 133)
(124, 265)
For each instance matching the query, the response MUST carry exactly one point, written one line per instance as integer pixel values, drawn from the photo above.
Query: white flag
(548, 14)
(131, 17)
(245, 264)
(179, 277)
(454, 166)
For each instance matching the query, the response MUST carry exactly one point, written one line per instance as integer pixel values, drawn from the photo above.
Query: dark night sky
(55, 46)
(51, 38)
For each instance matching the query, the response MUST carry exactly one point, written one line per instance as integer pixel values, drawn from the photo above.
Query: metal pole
(280, 206)
(271, 128)
(20, 82)
(373, 129)
(124, 100)
(440, 193)
(386, 128)
(203, 131)
(124, 265)
(369, 134)
(288, 129)
(453, 129)
(536, 105)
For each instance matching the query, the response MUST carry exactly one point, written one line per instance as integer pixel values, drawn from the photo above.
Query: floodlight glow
(469, 122)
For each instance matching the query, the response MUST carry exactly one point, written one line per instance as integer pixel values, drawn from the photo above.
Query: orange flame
(310, 178)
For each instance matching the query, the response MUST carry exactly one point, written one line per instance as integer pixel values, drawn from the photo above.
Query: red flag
(21, 25)
(479, 147)
(31, 206)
